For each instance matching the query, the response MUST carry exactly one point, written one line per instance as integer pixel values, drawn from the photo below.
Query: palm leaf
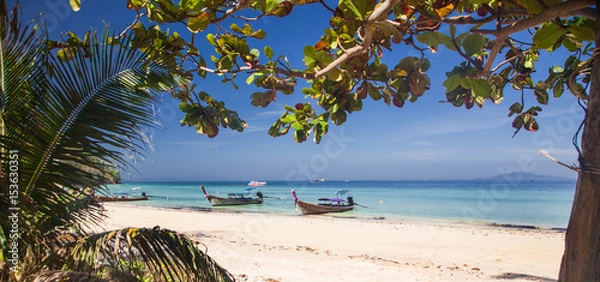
(96, 105)
(64, 117)
(165, 255)
(59, 275)
(22, 75)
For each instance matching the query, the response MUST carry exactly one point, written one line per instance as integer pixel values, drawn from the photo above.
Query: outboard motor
(259, 194)
(350, 200)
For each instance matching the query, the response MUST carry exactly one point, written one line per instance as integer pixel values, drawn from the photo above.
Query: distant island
(525, 176)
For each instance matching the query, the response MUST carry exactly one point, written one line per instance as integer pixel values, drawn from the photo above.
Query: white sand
(264, 247)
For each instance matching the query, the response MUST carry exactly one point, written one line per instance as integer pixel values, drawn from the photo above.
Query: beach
(274, 247)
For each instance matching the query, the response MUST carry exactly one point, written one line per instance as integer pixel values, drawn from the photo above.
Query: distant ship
(255, 183)
(318, 180)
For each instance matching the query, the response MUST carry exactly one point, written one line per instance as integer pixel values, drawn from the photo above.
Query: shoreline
(272, 247)
(399, 219)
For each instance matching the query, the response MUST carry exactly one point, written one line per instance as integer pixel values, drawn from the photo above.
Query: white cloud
(425, 144)
(270, 113)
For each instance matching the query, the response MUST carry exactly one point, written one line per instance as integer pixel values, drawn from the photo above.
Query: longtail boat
(233, 198)
(326, 205)
(122, 197)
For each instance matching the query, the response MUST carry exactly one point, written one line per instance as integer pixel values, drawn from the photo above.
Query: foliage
(66, 117)
(500, 43)
(346, 66)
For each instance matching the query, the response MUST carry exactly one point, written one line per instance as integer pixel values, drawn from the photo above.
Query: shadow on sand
(510, 276)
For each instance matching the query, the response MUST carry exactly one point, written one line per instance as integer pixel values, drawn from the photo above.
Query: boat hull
(308, 208)
(120, 199)
(219, 201)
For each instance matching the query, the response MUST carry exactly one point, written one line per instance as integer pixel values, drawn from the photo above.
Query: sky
(426, 140)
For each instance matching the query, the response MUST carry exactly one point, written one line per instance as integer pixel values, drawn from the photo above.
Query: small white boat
(255, 183)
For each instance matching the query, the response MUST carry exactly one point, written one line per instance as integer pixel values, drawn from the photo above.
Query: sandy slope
(262, 247)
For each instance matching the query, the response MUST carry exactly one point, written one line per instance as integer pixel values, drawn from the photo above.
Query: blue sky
(423, 140)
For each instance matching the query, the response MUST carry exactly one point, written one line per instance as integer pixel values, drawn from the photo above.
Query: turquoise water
(537, 203)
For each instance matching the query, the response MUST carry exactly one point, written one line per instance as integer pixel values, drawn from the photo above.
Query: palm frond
(165, 255)
(95, 107)
(59, 275)
(64, 118)
(22, 76)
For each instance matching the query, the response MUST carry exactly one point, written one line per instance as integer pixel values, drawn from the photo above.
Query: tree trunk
(581, 260)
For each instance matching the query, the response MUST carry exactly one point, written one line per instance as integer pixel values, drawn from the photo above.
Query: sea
(520, 203)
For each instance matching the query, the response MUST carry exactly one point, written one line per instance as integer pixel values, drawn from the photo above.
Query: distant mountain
(523, 176)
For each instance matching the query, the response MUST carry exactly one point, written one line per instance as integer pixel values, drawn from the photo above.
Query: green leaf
(558, 90)
(583, 33)
(288, 118)
(236, 28)
(481, 87)
(282, 9)
(434, 39)
(270, 5)
(374, 93)
(547, 36)
(75, 5)
(452, 82)
(268, 52)
(473, 44)
(541, 96)
(65, 54)
(137, 3)
(259, 34)
(191, 6)
(466, 83)
(557, 69)
(211, 39)
(225, 63)
(515, 108)
(310, 58)
(571, 44)
(407, 64)
(250, 79)
(532, 7)
(424, 64)
(348, 5)
(397, 73)
(198, 23)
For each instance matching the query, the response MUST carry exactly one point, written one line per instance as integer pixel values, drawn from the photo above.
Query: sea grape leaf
(473, 44)
(198, 23)
(452, 82)
(548, 35)
(481, 87)
(434, 39)
(268, 52)
(541, 96)
(583, 33)
(75, 5)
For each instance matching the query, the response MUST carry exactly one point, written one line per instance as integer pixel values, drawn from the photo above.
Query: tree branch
(379, 13)
(135, 21)
(565, 9)
(240, 6)
(571, 167)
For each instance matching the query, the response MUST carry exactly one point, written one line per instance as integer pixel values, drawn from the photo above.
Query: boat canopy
(335, 200)
(239, 195)
(341, 193)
